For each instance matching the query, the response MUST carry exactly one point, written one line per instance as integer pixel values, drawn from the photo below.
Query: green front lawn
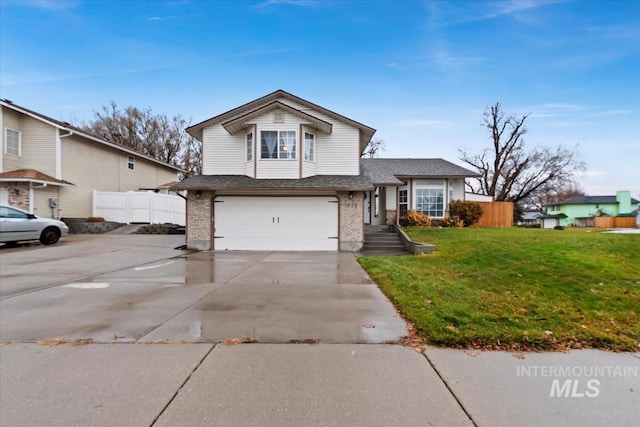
(518, 288)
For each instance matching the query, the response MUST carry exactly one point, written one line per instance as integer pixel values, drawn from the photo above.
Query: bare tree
(155, 135)
(374, 147)
(540, 201)
(509, 171)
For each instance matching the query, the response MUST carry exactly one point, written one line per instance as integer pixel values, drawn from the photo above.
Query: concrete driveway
(139, 288)
(158, 316)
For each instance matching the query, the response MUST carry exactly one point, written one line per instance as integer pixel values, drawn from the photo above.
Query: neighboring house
(579, 211)
(282, 173)
(51, 168)
(401, 185)
(530, 218)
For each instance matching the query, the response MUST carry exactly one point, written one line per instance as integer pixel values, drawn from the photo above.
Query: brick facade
(18, 195)
(351, 220)
(391, 217)
(199, 220)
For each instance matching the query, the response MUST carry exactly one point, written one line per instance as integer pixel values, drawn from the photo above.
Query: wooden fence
(615, 222)
(496, 214)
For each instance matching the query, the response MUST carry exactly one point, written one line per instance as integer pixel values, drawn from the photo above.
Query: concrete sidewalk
(310, 385)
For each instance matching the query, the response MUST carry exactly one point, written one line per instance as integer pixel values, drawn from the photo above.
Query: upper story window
(249, 146)
(278, 144)
(309, 147)
(131, 163)
(12, 142)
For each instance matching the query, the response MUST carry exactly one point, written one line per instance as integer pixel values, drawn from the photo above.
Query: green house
(579, 211)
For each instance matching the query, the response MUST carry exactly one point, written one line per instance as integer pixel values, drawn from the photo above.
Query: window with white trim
(403, 202)
(12, 142)
(430, 201)
(249, 146)
(278, 144)
(309, 147)
(131, 163)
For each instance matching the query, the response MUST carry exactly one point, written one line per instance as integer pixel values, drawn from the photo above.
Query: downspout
(59, 152)
(30, 197)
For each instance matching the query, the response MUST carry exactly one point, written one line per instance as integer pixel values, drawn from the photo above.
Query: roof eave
(38, 181)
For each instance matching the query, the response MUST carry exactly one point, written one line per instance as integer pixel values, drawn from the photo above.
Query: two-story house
(51, 168)
(579, 211)
(282, 173)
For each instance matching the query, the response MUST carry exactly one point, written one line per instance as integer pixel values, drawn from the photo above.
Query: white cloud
(481, 11)
(613, 113)
(160, 18)
(391, 64)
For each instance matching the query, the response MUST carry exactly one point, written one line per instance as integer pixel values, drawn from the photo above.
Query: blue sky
(420, 72)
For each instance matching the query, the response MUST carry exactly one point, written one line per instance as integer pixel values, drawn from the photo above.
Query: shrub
(451, 221)
(95, 219)
(415, 219)
(468, 212)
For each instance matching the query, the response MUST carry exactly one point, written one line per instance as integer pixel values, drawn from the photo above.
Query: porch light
(350, 195)
(198, 194)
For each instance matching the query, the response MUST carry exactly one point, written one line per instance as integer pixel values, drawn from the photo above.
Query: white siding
(222, 154)
(91, 166)
(10, 120)
(457, 185)
(391, 197)
(338, 153)
(38, 146)
(308, 169)
(41, 198)
(273, 168)
(278, 169)
(248, 169)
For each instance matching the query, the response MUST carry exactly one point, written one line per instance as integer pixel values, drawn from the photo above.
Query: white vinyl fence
(138, 206)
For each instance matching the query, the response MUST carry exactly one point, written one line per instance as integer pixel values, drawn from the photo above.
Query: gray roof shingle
(387, 171)
(242, 182)
(591, 200)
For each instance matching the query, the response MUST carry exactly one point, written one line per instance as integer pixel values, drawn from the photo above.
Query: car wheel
(49, 236)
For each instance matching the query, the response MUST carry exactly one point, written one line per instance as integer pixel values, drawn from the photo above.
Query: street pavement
(159, 327)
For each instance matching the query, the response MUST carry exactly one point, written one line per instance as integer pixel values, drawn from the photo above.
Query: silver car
(18, 225)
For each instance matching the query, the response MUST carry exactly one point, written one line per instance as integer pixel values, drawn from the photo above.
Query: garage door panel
(276, 223)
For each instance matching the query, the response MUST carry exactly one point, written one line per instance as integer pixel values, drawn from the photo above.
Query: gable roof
(74, 130)
(32, 175)
(591, 200)
(237, 124)
(388, 171)
(366, 132)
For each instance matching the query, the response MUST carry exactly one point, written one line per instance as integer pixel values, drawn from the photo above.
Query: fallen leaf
(236, 341)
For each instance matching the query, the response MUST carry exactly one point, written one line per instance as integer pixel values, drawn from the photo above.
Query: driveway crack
(195, 368)
(450, 390)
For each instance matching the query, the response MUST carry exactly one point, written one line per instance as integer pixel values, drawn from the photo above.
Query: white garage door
(276, 223)
(549, 222)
